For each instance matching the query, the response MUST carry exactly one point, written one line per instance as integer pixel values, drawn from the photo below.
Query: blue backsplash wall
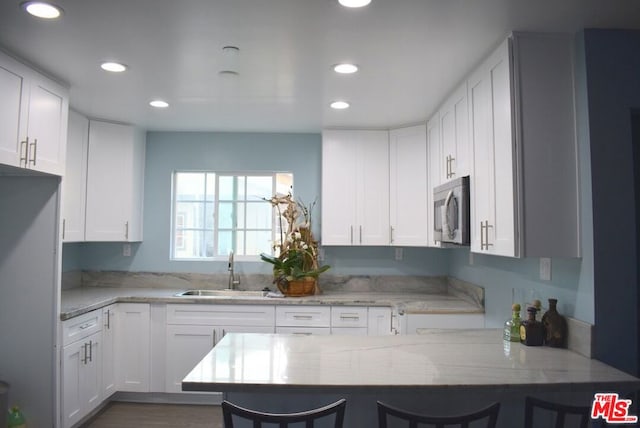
(572, 279)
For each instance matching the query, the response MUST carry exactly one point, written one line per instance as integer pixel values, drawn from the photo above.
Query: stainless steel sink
(222, 293)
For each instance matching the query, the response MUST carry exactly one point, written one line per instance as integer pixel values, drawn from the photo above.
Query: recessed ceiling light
(42, 9)
(114, 67)
(339, 105)
(159, 104)
(354, 3)
(345, 68)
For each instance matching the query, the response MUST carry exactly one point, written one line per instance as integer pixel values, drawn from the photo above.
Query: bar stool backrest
(561, 412)
(414, 420)
(284, 420)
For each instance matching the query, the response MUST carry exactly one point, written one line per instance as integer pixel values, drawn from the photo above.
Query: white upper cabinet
(408, 189)
(355, 187)
(454, 150)
(115, 176)
(524, 184)
(33, 115)
(74, 182)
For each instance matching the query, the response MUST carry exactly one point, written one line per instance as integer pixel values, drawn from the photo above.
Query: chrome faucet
(233, 280)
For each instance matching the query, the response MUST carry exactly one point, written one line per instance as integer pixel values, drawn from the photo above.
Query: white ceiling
(411, 53)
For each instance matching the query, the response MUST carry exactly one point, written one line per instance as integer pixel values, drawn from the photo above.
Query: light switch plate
(399, 254)
(126, 250)
(545, 268)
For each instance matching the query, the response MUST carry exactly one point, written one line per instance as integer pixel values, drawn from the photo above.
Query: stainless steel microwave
(451, 212)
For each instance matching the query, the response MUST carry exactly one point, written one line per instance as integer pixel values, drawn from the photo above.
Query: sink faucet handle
(230, 266)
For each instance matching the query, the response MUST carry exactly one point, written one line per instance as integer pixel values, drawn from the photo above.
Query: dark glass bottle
(555, 326)
(531, 331)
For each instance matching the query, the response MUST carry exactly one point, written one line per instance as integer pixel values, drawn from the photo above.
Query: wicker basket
(299, 287)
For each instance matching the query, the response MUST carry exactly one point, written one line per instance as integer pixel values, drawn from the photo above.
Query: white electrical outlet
(545, 268)
(126, 250)
(398, 253)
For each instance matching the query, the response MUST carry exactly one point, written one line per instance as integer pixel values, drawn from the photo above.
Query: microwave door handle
(445, 216)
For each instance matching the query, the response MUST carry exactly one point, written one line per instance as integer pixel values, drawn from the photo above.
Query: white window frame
(216, 203)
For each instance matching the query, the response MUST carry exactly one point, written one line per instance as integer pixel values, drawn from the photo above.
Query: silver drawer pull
(85, 326)
(303, 317)
(302, 334)
(350, 317)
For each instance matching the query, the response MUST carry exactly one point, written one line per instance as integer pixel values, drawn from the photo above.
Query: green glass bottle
(511, 330)
(16, 418)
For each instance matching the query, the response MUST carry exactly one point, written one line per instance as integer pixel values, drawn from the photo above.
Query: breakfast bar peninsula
(438, 372)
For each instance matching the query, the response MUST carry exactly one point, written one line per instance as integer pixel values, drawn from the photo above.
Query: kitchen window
(216, 213)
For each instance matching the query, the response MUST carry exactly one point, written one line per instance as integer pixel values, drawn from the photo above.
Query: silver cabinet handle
(484, 235)
(300, 333)
(214, 337)
(64, 226)
(303, 317)
(351, 234)
(126, 230)
(24, 147)
(91, 350)
(350, 317)
(450, 172)
(84, 359)
(391, 234)
(360, 234)
(35, 151)
(108, 324)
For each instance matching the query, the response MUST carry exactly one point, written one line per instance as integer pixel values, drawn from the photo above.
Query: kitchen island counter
(441, 369)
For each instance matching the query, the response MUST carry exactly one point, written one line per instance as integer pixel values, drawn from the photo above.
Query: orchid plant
(296, 253)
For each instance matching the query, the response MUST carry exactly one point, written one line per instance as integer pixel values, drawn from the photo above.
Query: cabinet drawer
(304, 331)
(348, 316)
(253, 315)
(81, 326)
(349, 331)
(303, 316)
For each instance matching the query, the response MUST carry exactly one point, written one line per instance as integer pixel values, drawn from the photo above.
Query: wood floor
(130, 415)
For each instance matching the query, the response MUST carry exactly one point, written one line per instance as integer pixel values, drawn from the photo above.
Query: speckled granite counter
(76, 301)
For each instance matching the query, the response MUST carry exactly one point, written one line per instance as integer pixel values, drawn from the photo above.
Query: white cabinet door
(74, 182)
(13, 104)
(421, 323)
(186, 346)
(109, 323)
(33, 119)
(355, 187)
(115, 175)
(408, 186)
(338, 188)
(379, 321)
(81, 378)
(493, 200)
(47, 126)
(133, 347)
(373, 188)
(433, 175)
(454, 158)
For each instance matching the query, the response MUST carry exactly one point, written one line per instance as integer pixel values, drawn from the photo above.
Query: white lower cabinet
(132, 347)
(379, 321)
(192, 330)
(349, 320)
(81, 366)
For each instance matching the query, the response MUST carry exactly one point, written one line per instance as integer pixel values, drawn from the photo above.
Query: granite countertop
(79, 300)
(437, 359)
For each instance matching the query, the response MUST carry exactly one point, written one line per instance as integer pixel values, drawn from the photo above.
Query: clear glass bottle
(511, 330)
(531, 330)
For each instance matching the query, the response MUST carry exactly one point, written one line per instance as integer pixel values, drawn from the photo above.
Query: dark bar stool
(560, 410)
(490, 413)
(229, 410)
